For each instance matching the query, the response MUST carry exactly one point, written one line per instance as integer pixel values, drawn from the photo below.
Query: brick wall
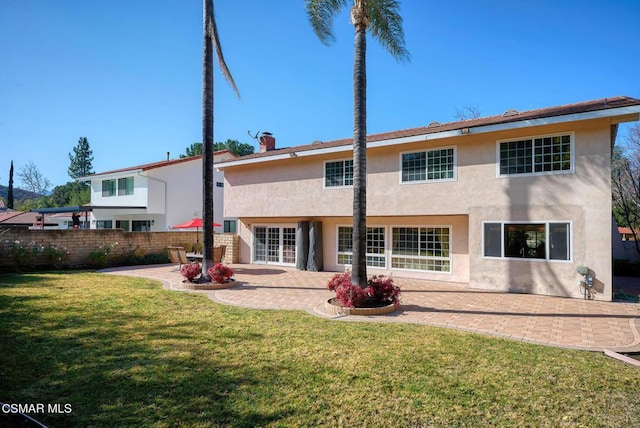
(80, 243)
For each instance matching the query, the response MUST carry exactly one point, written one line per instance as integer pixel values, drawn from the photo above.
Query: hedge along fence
(98, 247)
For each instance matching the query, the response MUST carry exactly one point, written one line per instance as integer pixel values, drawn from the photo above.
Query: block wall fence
(81, 243)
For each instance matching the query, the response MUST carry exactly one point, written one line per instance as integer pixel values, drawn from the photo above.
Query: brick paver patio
(554, 321)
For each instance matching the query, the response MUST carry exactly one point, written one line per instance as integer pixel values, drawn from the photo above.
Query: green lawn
(125, 352)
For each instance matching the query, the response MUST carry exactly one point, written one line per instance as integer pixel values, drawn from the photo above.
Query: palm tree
(381, 17)
(211, 41)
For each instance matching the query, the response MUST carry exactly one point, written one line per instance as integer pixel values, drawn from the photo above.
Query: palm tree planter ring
(334, 307)
(209, 285)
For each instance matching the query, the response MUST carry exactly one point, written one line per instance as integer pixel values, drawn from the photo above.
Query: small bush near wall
(27, 255)
(22, 249)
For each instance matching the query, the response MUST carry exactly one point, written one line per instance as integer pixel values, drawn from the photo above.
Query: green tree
(382, 19)
(70, 194)
(81, 160)
(625, 182)
(234, 146)
(10, 201)
(194, 149)
(211, 41)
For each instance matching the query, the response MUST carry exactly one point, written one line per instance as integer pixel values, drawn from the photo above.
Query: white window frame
(115, 187)
(324, 174)
(386, 246)
(280, 227)
(547, 258)
(422, 226)
(124, 191)
(427, 180)
(572, 151)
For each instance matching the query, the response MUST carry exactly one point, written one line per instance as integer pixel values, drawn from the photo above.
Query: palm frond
(321, 14)
(385, 24)
(212, 30)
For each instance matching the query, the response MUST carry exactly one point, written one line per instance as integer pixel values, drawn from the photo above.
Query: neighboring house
(25, 219)
(155, 196)
(626, 234)
(515, 202)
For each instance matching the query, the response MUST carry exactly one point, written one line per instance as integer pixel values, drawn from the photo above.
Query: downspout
(165, 193)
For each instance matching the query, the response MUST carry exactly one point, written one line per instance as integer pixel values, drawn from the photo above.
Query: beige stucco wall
(293, 189)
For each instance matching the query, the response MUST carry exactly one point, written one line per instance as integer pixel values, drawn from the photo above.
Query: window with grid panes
(431, 165)
(375, 246)
(536, 155)
(338, 173)
(421, 248)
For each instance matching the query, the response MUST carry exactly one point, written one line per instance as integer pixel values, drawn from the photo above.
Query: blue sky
(127, 74)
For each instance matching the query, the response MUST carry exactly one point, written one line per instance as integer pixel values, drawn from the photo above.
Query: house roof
(224, 154)
(20, 218)
(626, 230)
(509, 119)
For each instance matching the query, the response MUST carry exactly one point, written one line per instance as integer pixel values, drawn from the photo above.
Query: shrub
(190, 271)
(380, 291)
(383, 291)
(100, 256)
(220, 273)
(32, 254)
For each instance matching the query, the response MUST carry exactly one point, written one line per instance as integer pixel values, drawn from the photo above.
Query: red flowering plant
(190, 271)
(220, 273)
(380, 291)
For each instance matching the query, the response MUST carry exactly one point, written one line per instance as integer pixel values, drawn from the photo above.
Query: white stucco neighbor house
(155, 196)
(516, 202)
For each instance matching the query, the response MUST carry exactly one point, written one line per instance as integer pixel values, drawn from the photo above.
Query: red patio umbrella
(194, 222)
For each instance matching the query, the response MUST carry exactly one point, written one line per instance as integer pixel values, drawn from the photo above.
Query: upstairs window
(430, 165)
(108, 188)
(338, 173)
(550, 154)
(125, 186)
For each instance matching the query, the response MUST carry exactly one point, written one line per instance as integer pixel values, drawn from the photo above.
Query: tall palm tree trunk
(207, 142)
(359, 266)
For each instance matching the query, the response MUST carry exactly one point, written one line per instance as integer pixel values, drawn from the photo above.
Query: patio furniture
(218, 254)
(178, 256)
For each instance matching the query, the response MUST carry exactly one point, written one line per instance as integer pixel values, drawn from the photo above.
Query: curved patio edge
(541, 320)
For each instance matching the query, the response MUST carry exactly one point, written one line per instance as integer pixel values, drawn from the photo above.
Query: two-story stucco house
(155, 196)
(515, 202)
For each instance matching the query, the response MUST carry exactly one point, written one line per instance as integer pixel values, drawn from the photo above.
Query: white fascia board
(111, 175)
(598, 114)
(221, 166)
(575, 117)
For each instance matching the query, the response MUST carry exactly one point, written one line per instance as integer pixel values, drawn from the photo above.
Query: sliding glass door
(274, 244)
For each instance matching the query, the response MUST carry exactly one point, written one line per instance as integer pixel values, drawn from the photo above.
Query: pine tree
(10, 191)
(81, 160)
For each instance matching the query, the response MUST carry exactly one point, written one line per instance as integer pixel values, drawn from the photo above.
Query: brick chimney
(267, 142)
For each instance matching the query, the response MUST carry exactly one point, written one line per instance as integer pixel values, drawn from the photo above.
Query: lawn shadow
(121, 367)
